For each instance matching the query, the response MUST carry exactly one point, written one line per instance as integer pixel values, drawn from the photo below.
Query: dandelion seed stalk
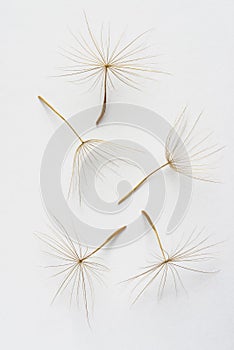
(116, 233)
(104, 96)
(141, 183)
(156, 232)
(61, 116)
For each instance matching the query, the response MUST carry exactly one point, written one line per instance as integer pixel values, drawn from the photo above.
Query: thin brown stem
(156, 232)
(60, 116)
(141, 183)
(105, 242)
(104, 97)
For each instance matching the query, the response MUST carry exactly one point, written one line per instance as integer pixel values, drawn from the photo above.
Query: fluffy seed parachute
(77, 266)
(102, 63)
(185, 153)
(88, 156)
(189, 252)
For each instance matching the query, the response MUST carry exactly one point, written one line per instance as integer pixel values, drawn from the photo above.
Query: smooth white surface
(196, 40)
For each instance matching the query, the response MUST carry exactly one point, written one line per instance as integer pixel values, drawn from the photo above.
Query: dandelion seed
(188, 253)
(78, 267)
(185, 153)
(102, 63)
(88, 156)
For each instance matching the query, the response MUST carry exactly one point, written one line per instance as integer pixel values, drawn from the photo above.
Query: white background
(195, 39)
